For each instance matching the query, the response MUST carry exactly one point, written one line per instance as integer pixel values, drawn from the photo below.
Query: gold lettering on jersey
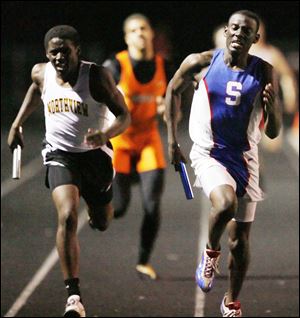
(65, 105)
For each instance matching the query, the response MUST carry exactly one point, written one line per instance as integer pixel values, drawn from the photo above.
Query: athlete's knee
(67, 218)
(238, 245)
(151, 206)
(151, 220)
(153, 217)
(100, 218)
(120, 207)
(239, 248)
(225, 207)
(224, 200)
(121, 194)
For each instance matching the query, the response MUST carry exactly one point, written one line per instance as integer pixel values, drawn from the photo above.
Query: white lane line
(42, 272)
(203, 236)
(27, 172)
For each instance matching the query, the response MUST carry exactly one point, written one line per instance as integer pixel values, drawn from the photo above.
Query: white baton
(16, 171)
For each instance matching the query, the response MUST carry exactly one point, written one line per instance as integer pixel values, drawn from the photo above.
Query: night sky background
(189, 26)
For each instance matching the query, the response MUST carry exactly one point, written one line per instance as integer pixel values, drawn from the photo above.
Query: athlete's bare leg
(66, 199)
(238, 260)
(101, 216)
(224, 206)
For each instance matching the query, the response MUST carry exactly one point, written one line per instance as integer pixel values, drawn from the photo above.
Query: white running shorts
(217, 175)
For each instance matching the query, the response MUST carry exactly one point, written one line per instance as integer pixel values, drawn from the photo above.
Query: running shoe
(146, 271)
(74, 307)
(205, 272)
(233, 309)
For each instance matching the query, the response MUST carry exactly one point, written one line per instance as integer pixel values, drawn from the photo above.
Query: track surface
(110, 286)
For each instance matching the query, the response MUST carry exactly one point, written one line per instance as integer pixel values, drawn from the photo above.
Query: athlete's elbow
(273, 132)
(170, 89)
(272, 135)
(127, 119)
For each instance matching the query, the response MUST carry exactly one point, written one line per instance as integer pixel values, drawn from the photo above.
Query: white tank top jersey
(70, 111)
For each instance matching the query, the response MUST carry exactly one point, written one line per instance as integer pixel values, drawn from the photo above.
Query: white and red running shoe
(232, 309)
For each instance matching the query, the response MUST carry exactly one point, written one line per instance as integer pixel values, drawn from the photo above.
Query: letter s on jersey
(233, 91)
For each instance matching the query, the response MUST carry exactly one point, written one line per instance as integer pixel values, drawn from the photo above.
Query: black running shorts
(91, 171)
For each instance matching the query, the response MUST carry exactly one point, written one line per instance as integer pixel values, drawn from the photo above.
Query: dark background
(189, 26)
(190, 22)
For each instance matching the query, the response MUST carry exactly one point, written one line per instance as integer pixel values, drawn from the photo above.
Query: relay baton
(16, 170)
(185, 180)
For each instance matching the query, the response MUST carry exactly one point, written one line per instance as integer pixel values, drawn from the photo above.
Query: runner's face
(138, 34)
(63, 55)
(241, 33)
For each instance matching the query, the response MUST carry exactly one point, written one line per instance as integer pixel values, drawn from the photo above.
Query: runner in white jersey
(72, 110)
(229, 102)
(77, 97)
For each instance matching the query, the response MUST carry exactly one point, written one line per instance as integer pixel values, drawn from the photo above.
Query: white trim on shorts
(217, 175)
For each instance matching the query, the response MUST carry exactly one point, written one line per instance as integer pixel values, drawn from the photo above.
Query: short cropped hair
(249, 14)
(63, 32)
(134, 16)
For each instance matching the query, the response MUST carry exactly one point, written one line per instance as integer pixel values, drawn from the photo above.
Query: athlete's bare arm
(104, 89)
(30, 104)
(272, 111)
(287, 79)
(187, 74)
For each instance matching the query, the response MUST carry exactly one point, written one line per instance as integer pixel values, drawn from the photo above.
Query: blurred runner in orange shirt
(142, 77)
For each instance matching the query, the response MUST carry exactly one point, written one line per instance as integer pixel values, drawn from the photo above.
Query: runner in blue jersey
(230, 99)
